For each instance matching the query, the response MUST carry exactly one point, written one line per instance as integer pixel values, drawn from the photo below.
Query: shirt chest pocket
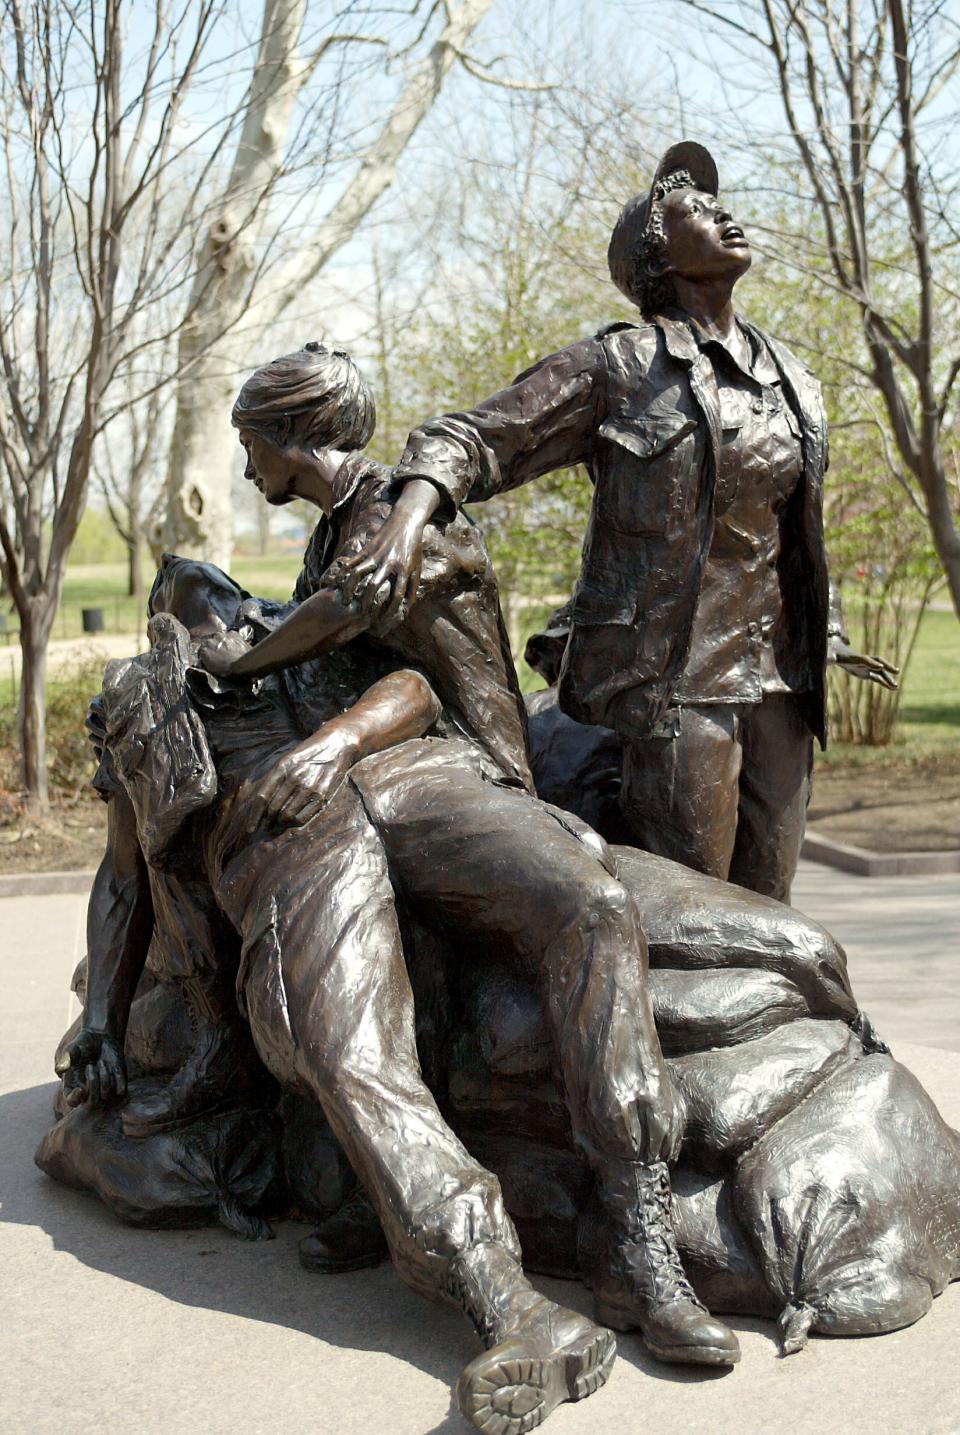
(644, 480)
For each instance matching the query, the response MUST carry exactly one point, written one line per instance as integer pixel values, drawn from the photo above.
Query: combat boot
(217, 1074)
(645, 1285)
(350, 1240)
(537, 1353)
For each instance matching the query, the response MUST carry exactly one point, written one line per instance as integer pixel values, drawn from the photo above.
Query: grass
(104, 586)
(929, 728)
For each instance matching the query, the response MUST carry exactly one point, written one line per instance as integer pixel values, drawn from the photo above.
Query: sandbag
(697, 1010)
(734, 1094)
(160, 1036)
(717, 1256)
(222, 1167)
(544, 1190)
(530, 1104)
(319, 1178)
(852, 1203)
(693, 1010)
(697, 922)
(506, 1015)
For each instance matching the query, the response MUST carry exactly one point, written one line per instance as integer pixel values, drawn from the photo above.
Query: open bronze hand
(383, 577)
(863, 666)
(304, 780)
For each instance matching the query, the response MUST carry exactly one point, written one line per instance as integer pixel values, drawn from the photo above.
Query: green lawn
(929, 729)
(104, 586)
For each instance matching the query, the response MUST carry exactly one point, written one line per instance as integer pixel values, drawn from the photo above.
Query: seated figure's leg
(496, 864)
(330, 1006)
(195, 949)
(679, 794)
(774, 792)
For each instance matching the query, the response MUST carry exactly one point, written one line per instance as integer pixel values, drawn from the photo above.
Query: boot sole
(505, 1393)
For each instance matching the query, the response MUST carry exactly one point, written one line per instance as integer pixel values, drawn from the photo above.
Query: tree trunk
(946, 539)
(31, 716)
(135, 567)
(204, 452)
(264, 514)
(199, 520)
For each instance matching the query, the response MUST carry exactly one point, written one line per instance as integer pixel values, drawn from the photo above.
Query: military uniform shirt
(742, 647)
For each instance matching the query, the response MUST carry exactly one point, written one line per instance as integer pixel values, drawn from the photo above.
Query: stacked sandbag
(733, 1095)
(852, 1203)
(698, 923)
(223, 1167)
(816, 1180)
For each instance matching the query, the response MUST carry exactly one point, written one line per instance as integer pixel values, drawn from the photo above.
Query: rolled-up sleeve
(544, 421)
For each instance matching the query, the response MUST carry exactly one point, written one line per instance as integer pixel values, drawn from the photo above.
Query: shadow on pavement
(211, 1269)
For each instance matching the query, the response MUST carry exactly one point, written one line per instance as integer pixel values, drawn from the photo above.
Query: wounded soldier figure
(470, 850)
(322, 978)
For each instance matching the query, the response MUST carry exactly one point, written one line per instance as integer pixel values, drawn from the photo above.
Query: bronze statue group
(354, 892)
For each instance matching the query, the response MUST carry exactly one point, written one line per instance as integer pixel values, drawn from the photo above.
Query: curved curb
(816, 848)
(863, 863)
(46, 884)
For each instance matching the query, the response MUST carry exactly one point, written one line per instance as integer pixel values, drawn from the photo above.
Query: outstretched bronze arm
(336, 614)
(543, 421)
(119, 928)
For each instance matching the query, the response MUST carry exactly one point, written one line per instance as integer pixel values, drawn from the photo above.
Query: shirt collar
(346, 480)
(686, 339)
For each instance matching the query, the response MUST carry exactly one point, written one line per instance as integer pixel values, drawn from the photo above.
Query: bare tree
(82, 159)
(868, 92)
(115, 254)
(126, 465)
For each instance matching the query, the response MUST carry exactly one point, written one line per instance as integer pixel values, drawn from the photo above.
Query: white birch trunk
(198, 520)
(204, 451)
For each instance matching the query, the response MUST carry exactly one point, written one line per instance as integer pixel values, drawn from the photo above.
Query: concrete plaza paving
(109, 1330)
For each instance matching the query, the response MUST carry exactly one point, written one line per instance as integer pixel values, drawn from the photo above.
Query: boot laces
(465, 1295)
(656, 1228)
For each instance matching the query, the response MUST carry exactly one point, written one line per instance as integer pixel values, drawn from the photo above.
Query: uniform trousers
(728, 794)
(325, 986)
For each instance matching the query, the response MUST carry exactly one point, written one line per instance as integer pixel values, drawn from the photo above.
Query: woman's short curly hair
(637, 246)
(319, 391)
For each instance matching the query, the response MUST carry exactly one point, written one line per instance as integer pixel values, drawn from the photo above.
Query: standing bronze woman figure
(701, 623)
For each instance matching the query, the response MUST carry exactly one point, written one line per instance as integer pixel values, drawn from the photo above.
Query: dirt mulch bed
(888, 809)
(896, 808)
(71, 839)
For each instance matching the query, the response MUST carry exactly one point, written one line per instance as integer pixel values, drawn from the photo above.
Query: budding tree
(237, 293)
(86, 148)
(868, 92)
(124, 243)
